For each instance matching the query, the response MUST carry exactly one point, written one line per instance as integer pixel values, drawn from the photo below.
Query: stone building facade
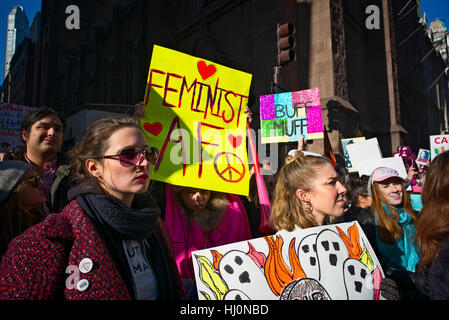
(359, 71)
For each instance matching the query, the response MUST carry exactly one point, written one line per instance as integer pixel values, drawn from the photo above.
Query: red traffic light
(285, 43)
(286, 29)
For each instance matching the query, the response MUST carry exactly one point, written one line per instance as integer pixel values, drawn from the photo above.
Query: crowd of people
(96, 213)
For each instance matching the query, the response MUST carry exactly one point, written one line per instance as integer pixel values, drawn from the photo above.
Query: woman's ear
(93, 167)
(302, 195)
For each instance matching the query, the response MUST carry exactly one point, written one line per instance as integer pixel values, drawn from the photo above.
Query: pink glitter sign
(285, 117)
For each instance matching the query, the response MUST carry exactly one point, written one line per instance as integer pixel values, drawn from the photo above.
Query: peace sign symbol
(229, 173)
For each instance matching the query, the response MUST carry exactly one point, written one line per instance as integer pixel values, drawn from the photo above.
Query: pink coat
(233, 228)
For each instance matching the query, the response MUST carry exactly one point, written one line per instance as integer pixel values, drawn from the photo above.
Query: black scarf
(116, 222)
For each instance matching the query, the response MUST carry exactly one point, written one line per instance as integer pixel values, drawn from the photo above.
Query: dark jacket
(34, 267)
(439, 275)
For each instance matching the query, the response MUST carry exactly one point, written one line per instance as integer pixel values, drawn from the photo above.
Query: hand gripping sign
(193, 114)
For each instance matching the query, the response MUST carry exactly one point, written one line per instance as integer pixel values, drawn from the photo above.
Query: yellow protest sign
(193, 114)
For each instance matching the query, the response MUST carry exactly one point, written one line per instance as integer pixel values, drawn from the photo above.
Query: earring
(308, 207)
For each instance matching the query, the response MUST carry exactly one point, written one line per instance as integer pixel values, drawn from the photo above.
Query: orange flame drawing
(277, 273)
(352, 243)
(217, 257)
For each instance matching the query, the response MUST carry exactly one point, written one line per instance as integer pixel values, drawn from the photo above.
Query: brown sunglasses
(35, 181)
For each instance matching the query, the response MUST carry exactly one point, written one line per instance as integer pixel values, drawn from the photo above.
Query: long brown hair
(288, 211)
(433, 227)
(94, 144)
(14, 218)
(389, 228)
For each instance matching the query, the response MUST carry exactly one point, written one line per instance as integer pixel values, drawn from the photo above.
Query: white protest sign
(346, 142)
(333, 262)
(438, 144)
(363, 151)
(368, 166)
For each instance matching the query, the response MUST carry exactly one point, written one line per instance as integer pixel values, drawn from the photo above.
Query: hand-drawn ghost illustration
(236, 295)
(240, 272)
(307, 256)
(359, 281)
(333, 262)
(331, 253)
(305, 289)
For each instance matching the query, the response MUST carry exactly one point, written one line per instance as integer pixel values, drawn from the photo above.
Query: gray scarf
(135, 223)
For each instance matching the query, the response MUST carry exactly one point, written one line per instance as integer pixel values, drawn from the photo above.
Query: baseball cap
(384, 173)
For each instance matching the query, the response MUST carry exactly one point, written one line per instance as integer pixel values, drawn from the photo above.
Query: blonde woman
(308, 193)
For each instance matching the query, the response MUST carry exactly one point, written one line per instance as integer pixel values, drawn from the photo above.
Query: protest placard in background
(285, 117)
(332, 262)
(344, 143)
(363, 151)
(368, 166)
(423, 158)
(11, 116)
(193, 114)
(438, 144)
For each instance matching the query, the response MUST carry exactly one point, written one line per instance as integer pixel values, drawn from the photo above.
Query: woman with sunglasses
(104, 244)
(21, 194)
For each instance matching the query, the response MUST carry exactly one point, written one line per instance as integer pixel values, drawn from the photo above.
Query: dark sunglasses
(35, 181)
(133, 156)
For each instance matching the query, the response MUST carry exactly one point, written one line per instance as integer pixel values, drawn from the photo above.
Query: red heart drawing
(154, 128)
(236, 141)
(206, 71)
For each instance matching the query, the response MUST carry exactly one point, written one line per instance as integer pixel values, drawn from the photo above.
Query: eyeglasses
(133, 156)
(35, 181)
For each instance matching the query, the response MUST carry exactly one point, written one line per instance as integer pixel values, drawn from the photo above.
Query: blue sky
(30, 6)
(436, 9)
(433, 8)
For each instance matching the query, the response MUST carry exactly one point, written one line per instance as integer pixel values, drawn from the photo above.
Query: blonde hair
(299, 172)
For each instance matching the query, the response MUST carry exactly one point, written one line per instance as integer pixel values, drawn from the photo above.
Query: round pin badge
(86, 265)
(82, 285)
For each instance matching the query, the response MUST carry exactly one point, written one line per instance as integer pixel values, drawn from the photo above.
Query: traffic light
(285, 43)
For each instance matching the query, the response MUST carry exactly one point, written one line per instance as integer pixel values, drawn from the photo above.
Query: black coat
(439, 275)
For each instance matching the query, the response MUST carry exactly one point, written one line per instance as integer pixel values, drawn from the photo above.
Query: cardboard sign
(285, 117)
(363, 151)
(438, 144)
(11, 116)
(344, 143)
(368, 166)
(193, 114)
(334, 262)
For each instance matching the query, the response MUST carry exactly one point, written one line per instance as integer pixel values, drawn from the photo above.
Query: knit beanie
(11, 171)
